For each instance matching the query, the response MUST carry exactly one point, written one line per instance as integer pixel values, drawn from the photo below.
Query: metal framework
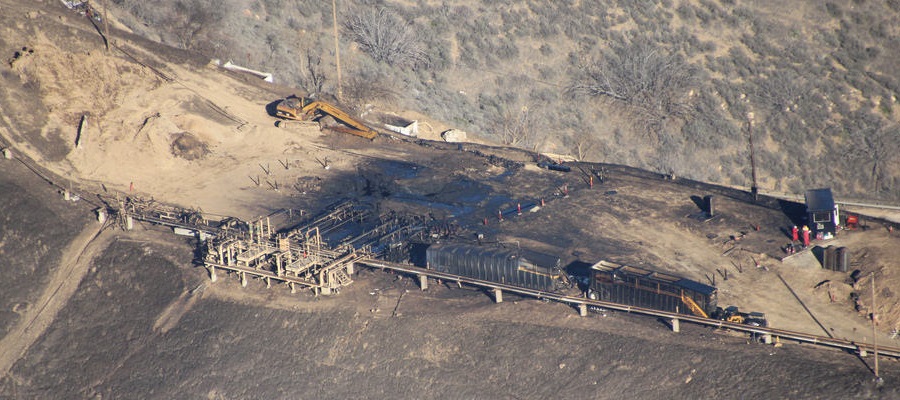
(298, 256)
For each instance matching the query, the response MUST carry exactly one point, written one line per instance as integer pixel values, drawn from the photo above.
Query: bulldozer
(294, 108)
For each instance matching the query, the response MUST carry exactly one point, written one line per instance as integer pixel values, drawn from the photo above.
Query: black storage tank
(842, 262)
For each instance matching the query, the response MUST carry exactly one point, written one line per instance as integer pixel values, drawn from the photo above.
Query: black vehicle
(645, 288)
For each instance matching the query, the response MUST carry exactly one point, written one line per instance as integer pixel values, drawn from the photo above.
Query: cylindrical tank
(843, 259)
(828, 258)
(710, 201)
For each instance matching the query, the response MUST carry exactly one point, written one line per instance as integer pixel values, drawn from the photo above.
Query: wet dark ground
(444, 343)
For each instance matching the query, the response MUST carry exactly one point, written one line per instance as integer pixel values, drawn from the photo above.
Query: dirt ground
(143, 325)
(162, 125)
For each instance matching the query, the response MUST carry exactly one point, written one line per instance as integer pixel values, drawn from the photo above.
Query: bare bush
(877, 146)
(515, 122)
(385, 37)
(313, 78)
(653, 84)
(362, 88)
(192, 20)
(514, 127)
(781, 90)
(583, 143)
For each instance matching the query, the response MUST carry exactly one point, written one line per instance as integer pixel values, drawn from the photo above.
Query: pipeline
(842, 344)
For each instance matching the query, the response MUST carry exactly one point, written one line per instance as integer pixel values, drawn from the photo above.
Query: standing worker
(794, 233)
(805, 236)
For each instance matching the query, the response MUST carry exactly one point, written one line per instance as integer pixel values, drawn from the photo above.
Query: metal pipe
(798, 336)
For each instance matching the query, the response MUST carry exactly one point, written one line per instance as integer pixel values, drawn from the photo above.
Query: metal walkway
(341, 264)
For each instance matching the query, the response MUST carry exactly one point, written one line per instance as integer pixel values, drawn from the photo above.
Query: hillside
(664, 85)
(94, 312)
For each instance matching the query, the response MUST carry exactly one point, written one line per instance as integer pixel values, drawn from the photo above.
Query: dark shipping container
(496, 264)
(649, 289)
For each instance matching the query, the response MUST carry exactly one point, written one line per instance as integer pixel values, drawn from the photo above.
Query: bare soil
(143, 323)
(384, 337)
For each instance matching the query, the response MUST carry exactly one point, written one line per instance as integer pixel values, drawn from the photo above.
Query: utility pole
(754, 190)
(337, 51)
(874, 332)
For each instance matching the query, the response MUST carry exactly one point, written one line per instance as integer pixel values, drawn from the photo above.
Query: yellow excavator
(301, 109)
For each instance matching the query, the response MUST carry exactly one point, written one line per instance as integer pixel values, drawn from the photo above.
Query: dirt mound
(75, 83)
(187, 146)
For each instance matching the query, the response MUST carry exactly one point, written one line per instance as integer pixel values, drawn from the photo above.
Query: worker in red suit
(805, 236)
(795, 233)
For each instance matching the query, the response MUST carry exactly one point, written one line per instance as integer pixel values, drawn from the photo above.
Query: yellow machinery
(693, 306)
(300, 109)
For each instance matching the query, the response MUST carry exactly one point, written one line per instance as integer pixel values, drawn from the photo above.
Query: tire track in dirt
(74, 263)
(169, 317)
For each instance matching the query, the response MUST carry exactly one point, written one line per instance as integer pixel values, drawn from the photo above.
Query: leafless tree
(192, 20)
(652, 83)
(361, 89)
(515, 127)
(518, 123)
(385, 37)
(878, 146)
(584, 143)
(314, 78)
(274, 44)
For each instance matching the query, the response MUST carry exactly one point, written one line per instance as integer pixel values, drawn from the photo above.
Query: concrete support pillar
(243, 279)
(101, 215)
(66, 195)
(7, 154)
(293, 289)
(423, 282)
(582, 310)
(676, 325)
(498, 295)
(268, 283)
(212, 275)
(129, 223)
(350, 269)
(767, 338)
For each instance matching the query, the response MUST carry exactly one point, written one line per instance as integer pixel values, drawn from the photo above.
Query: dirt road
(75, 263)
